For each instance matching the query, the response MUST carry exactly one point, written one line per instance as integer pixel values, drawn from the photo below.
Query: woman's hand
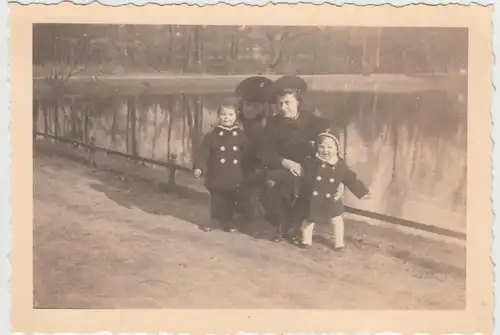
(197, 173)
(292, 166)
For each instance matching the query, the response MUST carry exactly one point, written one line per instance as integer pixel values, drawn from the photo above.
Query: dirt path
(105, 241)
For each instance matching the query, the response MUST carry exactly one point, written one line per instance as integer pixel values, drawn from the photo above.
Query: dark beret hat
(293, 83)
(255, 89)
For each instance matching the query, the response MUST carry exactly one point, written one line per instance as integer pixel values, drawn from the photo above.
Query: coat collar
(228, 128)
(332, 161)
(302, 118)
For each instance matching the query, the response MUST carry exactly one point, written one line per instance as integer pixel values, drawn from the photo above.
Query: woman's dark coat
(289, 139)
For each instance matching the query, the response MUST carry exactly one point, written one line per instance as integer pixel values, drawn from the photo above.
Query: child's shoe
(303, 245)
(208, 227)
(205, 229)
(278, 237)
(294, 239)
(229, 227)
(339, 249)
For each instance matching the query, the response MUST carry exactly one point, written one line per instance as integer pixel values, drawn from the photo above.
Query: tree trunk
(380, 31)
(170, 58)
(132, 111)
(45, 118)
(395, 145)
(198, 46)
(114, 126)
(155, 131)
(55, 109)
(127, 131)
(171, 113)
(186, 102)
(234, 48)
(86, 125)
(188, 50)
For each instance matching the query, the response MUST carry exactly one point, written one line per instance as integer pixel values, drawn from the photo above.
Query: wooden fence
(172, 167)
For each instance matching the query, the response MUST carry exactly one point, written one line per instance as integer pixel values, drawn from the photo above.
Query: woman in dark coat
(255, 95)
(288, 140)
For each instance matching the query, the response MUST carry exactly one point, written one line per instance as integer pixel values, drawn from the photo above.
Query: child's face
(327, 148)
(227, 116)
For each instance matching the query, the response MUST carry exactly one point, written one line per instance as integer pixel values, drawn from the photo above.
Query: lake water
(410, 149)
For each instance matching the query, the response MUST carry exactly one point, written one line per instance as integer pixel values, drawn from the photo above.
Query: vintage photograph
(249, 167)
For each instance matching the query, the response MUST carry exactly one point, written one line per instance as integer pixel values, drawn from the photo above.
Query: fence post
(92, 151)
(35, 118)
(172, 169)
(345, 142)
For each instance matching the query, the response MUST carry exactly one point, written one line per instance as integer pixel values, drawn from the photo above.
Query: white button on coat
(235, 161)
(323, 165)
(222, 148)
(235, 148)
(331, 180)
(318, 177)
(222, 160)
(328, 195)
(221, 133)
(235, 133)
(315, 193)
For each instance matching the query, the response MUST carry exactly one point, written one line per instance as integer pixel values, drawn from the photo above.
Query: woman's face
(327, 148)
(227, 116)
(252, 109)
(288, 105)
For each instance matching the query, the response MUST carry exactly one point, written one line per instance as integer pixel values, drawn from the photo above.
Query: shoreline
(157, 83)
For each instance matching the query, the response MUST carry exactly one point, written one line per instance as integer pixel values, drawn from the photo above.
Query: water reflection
(411, 149)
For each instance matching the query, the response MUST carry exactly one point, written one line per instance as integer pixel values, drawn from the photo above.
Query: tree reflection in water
(410, 148)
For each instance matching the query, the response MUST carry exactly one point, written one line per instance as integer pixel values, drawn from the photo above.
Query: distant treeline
(251, 49)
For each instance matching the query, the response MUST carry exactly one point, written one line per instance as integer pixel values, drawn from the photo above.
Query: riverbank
(112, 240)
(141, 83)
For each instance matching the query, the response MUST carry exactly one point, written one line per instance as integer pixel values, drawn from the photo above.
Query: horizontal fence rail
(173, 167)
(133, 84)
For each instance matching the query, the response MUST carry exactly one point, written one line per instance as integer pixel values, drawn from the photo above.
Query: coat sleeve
(201, 159)
(307, 176)
(268, 147)
(353, 183)
(244, 143)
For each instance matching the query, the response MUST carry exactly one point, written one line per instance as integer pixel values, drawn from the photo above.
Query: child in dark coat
(219, 161)
(319, 200)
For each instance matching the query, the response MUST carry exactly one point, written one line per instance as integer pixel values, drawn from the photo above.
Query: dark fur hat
(255, 89)
(289, 84)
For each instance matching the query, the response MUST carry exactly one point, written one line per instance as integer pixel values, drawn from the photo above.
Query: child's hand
(367, 196)
(339, 192)
(270, 183)
(197, 173)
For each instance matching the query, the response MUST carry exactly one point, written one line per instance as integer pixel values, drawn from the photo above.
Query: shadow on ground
(191, 206)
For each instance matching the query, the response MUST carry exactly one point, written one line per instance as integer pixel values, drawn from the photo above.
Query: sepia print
(406, 139)
(252, 166)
